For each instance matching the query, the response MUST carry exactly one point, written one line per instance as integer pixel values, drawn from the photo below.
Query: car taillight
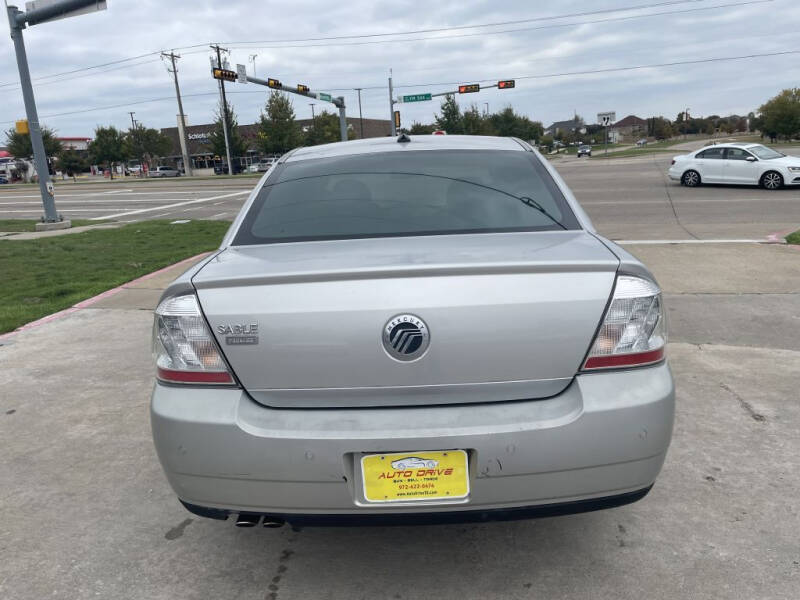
(673, 161)
(184, 349)
(633, 332)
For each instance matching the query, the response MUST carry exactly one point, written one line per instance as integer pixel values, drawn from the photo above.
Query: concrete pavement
(86, 512)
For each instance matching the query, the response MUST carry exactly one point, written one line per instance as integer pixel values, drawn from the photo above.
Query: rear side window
(711, 153)
(406, 193)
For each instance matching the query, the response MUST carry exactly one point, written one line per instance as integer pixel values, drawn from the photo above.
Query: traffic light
(397, 118)
(224, 74)
(303, 89)
(273, 83)
(469, 88)
(507, 84)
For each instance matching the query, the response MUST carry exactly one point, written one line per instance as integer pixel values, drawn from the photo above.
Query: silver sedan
(437, 297)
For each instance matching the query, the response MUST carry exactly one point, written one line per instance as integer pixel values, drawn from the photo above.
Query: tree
(278, 132)
(474, 123)
(451, 119)
(508, 123)
(216, 139)
(325, 130)
(146, 144)
(108, 147)
(71, 162)
(421, 129)
(780, 116)
(20, 145)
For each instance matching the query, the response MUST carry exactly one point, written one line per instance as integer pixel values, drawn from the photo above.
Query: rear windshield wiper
(534, 204)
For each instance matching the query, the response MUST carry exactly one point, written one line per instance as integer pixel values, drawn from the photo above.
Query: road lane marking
(222, 214)
(689, 241)
(175, 205)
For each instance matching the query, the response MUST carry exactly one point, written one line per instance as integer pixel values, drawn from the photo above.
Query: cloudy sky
(550, 47)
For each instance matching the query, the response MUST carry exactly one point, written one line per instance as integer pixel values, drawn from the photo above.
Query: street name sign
(416, 98)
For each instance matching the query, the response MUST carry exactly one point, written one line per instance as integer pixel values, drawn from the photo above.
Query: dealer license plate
(415, 476)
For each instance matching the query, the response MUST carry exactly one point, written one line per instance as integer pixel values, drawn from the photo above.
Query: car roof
(417, 142)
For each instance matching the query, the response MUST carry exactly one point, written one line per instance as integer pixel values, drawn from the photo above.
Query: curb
(94, 299)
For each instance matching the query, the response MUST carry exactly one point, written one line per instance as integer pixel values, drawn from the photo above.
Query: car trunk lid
(510, 316)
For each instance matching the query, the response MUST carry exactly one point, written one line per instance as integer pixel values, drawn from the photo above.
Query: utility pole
(224, 109)
(187, 165)
(133, 121)
(486, 110)
(342, 119)
(391, 105)
(360, 116)
(313, 119)
(253, 60)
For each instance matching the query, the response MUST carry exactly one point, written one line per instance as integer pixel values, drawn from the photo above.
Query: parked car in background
(165, 172)
(3, 179)
(584, 150)
(222, 168)
(441, 302)
(736, 164)
(641, 142)
(261, 166)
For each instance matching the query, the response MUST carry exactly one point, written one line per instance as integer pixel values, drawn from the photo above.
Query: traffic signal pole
(39, 157)
(17, 21)
(224, 102)
(302, 90)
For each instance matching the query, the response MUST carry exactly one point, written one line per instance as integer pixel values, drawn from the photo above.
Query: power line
(443, 83)
(516, 30)
(461, 27)
(413, 32)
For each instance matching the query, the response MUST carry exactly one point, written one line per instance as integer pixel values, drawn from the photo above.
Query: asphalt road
(627, 198)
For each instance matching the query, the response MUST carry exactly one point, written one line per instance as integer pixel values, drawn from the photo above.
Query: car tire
(690, 178)
(401, 466)
(771, 180)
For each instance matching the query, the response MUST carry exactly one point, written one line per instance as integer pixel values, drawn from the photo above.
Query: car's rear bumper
(604, 437)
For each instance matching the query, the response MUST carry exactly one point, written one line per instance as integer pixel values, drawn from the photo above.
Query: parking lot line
(175, 205)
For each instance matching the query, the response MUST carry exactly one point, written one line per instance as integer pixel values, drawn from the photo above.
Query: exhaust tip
(247, 520)
(273, 523)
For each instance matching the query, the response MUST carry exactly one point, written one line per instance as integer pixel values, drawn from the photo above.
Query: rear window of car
(406, 193)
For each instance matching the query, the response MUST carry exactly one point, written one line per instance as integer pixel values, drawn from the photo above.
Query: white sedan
(736, 164)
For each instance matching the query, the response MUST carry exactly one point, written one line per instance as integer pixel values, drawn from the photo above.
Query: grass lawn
(793, 238)
(30, 224)
(46, 275)
(652, 149)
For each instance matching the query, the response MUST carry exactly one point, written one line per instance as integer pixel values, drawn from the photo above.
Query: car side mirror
(751, 159)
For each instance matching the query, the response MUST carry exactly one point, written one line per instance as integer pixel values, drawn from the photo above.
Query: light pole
(486, 110)
(17, 21)
(253, 60)
(360, 116)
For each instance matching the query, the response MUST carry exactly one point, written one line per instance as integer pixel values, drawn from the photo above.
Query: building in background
(628, 128)
(203, 158)
(573, 125)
